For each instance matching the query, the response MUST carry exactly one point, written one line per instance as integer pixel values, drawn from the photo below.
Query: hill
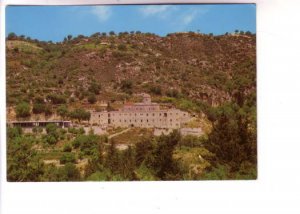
(212, 77)
(190, 66)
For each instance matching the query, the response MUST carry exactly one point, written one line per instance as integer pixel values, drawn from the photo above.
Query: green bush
(23, 109)
(94, 88)
(80, 114)
(62, 111)
(50, 139)
(56, 98)
(67, 158)
(38, 108)
(67, 148)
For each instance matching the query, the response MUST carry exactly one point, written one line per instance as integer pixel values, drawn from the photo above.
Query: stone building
(145, 115)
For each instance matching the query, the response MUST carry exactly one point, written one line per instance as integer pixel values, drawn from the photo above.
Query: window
(153, 114)
(99, 116)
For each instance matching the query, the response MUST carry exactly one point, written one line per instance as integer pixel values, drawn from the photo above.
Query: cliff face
(210, 69)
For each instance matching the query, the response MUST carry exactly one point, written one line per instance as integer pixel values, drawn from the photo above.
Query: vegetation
(213, 77)
(23, 110)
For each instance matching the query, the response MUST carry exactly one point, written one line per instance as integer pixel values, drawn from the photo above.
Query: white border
(276, 190)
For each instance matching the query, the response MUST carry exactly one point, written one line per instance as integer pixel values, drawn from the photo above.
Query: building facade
(145, 115)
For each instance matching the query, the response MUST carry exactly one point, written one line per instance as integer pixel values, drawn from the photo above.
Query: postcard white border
(277, 188)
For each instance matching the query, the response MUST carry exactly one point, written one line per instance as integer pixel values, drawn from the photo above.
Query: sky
(56, 22)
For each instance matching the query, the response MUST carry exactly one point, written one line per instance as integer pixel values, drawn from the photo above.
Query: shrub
(80, 114)
(72, 172)
(67, 148)
(67, 158)
(56, 98)
(126, 86)
(48, 110)
(50, 139)
(94, 88)
(155, 90)
(92, 98)
(23, 109)
(62, 111)
(38, 108)
(122, 47)
(172, 93)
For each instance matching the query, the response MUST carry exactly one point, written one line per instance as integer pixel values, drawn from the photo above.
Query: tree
(14, 132)
(23, 110)
(126, 86)
(232, 139)
(128, 164)
(143, 150)
(11, 36)
(23, 163)
(92, 98)
(69, 37)
(67, 148)
(56, 98)
(62, 111)
(51, 128)
(95, 35)
(155, 90)
(80, 114)
(48, 110)
(72, 172)
(112, 33)
(161, 160)
(38, 108)
(67, 158)
(112, 158)
(172, 93)
(52, 134)
(94, 88)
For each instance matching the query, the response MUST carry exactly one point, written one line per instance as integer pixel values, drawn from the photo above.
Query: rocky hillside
(196, 67)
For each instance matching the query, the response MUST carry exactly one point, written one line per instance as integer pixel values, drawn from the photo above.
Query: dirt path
(116, 134)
